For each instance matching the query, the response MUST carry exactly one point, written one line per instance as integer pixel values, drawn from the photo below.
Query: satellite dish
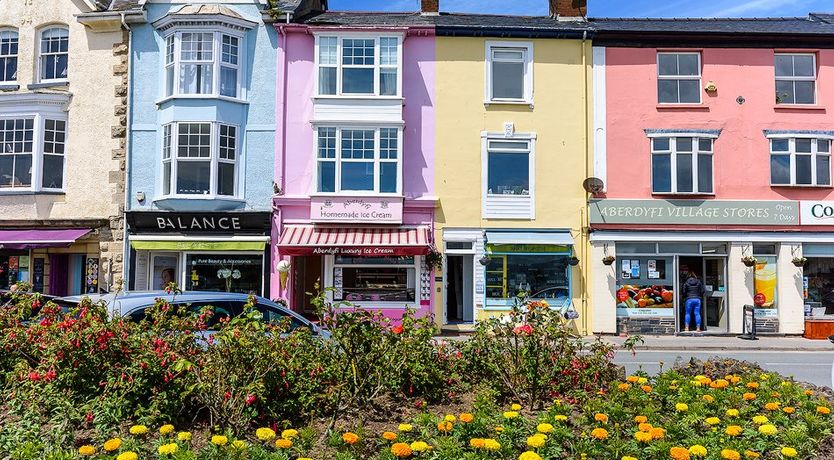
(593, 185)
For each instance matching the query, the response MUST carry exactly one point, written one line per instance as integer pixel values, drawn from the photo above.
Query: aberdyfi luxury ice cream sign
(695, 212)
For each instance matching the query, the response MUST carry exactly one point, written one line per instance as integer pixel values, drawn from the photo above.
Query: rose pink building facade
(713, 144)
(354, 172)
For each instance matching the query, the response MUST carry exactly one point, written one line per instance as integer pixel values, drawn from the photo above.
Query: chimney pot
(430, 6)
(568, 8)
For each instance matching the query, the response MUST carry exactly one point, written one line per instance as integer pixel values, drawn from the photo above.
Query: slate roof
(814, 24)
(118, 5)
(188, 10)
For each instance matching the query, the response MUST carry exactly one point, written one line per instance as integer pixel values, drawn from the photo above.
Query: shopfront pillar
(603, 289)
(741, 284)
(789, 279)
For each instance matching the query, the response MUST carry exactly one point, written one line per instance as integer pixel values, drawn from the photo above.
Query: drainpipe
(128, 113)
(585, 232)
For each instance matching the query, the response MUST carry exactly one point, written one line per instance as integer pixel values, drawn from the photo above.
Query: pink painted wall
(741, 160)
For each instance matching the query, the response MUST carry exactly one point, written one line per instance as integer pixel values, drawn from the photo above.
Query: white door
(164, 269)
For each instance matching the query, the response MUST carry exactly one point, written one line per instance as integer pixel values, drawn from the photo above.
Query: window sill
(364, 97)
(198, 203)
(4, 87)
(799, 107)
(32, 192)
(683, 195)
(48, 84)
(353, 194)
(201, 97)
(682, 107)
(801, 186)
(488, 103)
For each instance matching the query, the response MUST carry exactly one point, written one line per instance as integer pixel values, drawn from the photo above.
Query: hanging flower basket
(799, 261)
(608, 260)
(748, 261)
(434, 259)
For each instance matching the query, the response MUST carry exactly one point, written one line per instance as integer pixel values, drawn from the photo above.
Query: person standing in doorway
(693, 292)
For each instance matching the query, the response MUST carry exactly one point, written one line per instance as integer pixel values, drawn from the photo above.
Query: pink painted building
(354, 171)
(713, 144)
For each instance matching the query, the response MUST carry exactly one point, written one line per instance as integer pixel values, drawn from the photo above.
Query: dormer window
(358, 65)
(202, 63)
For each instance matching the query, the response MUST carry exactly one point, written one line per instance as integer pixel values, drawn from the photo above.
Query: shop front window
(14, 267)
(378, 279)
(224, 272)
(645, 286)
(764, 280)
(818, 279)
(543, 276)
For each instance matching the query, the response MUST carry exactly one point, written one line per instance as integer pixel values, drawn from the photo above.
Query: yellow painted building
(512, 151)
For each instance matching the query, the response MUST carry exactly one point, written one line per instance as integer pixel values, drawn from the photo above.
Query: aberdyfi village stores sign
(694, 212)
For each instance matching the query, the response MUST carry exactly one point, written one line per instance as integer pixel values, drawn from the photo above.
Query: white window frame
(213, 158)
(792, 153)
(673, 152)
(527, 48)
(489, 198)
(39, 126)
(797, 78)
(217, 63)
(339, 66)
(680, 77)
(40, 55)
(339, 160)
(14, 32)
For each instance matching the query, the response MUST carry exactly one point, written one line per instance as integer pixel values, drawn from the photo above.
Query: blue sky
(610, 8)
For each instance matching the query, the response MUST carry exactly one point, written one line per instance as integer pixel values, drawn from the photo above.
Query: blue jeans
(690, 306)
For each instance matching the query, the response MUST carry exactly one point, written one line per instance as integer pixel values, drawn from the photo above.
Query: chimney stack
(430, 7)
(568, 8)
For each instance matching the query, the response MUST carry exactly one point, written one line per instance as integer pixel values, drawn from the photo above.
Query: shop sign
(368, 251)
(645, 312)
(816, 212)
(694, 212)
(765, 313)
(371, 209)
(199, 223)
(527, 249)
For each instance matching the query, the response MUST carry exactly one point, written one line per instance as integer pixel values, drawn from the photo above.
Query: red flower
(50, 375)
(34, 376)
(227, 394)
(397, 330)
(250, 399)
(525, 329)
(89, 417)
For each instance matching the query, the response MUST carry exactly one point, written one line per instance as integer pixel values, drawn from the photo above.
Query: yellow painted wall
(559, 117)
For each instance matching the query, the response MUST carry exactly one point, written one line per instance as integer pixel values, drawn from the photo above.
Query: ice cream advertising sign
(345, 209)
(694, 212)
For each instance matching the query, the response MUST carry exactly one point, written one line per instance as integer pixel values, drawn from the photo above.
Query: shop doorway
(164, 269)
(307, 283)
(713, 274)
(459, 297)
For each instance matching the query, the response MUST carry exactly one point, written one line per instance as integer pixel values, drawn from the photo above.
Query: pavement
(727, 343)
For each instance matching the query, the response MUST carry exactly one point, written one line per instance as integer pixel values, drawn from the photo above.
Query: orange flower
(477, 443)
(645, 427)
(822, 410)
(749, 396)
(350, 438)
(679, 453)
(646, 388)
(445, 427)
(809, 393)
(708, 398)
(733, 430)
(466, 417)
(729, 454)
(624, 386)
(401, 450)
(282, 443)
(601, 418)
(599, 433)
(641, 419)
(788, 410)
(642, 436)
(720, 383)
(657, 433)
(753, 385)
(771, 406)
(632, 379)
(389, 436)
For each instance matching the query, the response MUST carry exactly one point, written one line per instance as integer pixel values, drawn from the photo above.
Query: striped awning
(308, 240)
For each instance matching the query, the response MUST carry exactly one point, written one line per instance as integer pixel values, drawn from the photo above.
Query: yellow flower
(679, 453)
(515, 407)
(405, 427)
(445, 427)
(491, 444)
(350, 438)
(768, 430)
(698, 451)
(733, 430)
(401, 450)
(510, 414)
(289, 434)
(751, 454)
(712, 421)
(732, 412)
(167, 449)
(419, 446)
(601, 418)
(681, 407)
(389, 436)
(219, 440)
(789, 452)
(87, 451)
(641, 419)
(466, 417)
(749, 396)
(822, 410)
(138, 430)
(544, 428)
(642, 436)
(771, 406)
(283, 443)
(165, 430)
(129, 455)
(477, 443)
(708, 398)
(535, 441)
(184, 436)
(239, 444)
(499, 429)
(760, 420)
(560, 418)
(450, 418)
(730, 454)
(788, 410)
(599, 433)
(529, 456)
(265, 434)
(112, 444)
(626, 457)
(642, 380)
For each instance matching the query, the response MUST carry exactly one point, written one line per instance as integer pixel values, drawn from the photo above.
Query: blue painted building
(201, 145)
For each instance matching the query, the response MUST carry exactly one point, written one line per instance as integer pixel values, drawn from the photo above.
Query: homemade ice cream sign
(694, 212)
(337, 209)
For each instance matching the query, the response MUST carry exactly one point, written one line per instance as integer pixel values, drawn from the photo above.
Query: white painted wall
(789, 290)
(603, 290)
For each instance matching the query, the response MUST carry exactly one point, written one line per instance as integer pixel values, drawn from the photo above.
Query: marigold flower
(642, 436)
(789, 410)
(184, 436)
(657, 433)
(808, 393)
(535, 441)
(445, 427)
(219, 440)
(87, 451)
(138, 430)
(645, 427)
(632, 378)
(560, 418)
(510, 414)
(708, 398)
(679, 453)
(732, 412)
(129, 455)
(720, 383)
(499, 429)
(599, 433)
(789, 452)
(698, 451)
(641, 419)
(544, 428)
(822, 410)
(389, 436)
(753, 385)
(768, 430)
(466, 417)
(601, 418)
(265, 434)
(646, 388)
(515, 407)
(112, 444)
(712, 421)
(529, 455)
(477, 443)
(167, 449)
(681, 407)
(165, 430)
(419, 446)
(626, 457)
(401, 450)
(238, 444)
(624, 386)
(350, 438)
(730, 454)
(283, 443)
(760, 420)
(771, 406)
(642, 380)
(749, 396)
(491, 444)
(405, 427)
(733, 430)
(751, 454)
(450, 418)
(289, 434)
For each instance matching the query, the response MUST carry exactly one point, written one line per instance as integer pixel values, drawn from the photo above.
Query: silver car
(133, 305)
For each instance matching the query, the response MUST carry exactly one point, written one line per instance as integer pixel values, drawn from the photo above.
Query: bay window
(358, 65)
(363, 160)
(8, 55)
(199, 159)
(32, 152)
(800, 161)
(54, 54)
(682, 165)
(203, 63)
